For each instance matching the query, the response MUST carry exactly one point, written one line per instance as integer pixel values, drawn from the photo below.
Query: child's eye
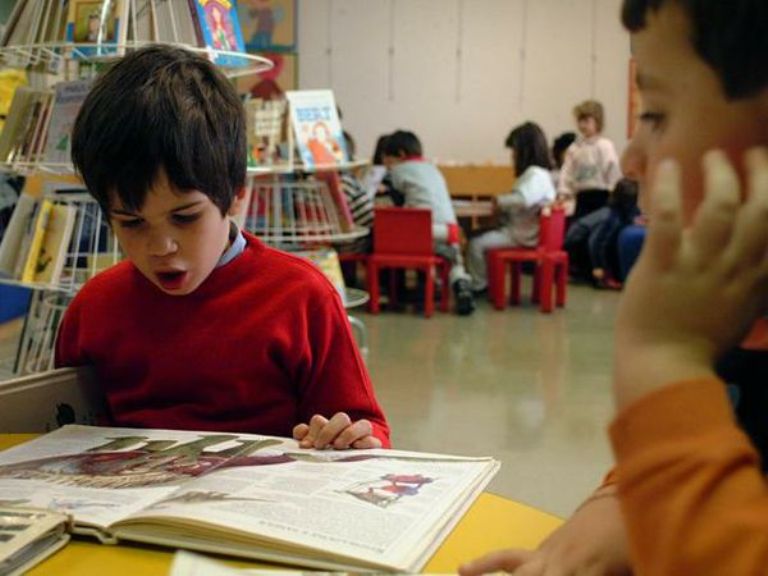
(654, 120)
(185, 218)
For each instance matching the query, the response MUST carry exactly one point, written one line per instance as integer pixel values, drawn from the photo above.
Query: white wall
(462, 73)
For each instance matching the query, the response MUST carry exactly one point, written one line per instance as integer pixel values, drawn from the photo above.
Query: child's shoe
(465, 300)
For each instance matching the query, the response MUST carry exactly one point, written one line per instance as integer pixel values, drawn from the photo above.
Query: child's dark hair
(530, 147)
(402, 143)
(161, 108)
(350, 145)
(729, 36)
(561, 145)
(378, 151)
(623, 199)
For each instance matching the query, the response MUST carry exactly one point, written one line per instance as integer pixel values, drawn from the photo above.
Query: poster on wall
(634, 108)
(268, 25)
(274, 83)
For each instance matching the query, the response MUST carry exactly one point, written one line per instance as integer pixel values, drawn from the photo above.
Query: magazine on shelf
(21, 121)
(28, 536)
(247, 495)
(12, 244)
(220, 29)
(97, 22)
(36, 243)
(270, 138)
(68, 99)
(55, 248)
(317, 128)
(327, 259)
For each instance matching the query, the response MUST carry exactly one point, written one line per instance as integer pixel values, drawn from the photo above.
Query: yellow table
(491, 523)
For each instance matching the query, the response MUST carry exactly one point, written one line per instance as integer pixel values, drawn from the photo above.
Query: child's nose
(161, 244)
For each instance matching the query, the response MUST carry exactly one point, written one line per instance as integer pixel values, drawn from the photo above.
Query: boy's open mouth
(171, 280)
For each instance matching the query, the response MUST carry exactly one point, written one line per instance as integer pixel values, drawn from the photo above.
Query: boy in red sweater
(202, 327)
(689, 494)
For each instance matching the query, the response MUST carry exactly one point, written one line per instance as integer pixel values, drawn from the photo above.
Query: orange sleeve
(691, 490)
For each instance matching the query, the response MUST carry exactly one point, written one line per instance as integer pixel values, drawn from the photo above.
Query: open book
(247, 495)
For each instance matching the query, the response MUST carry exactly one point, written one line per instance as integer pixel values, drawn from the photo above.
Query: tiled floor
(532, 390)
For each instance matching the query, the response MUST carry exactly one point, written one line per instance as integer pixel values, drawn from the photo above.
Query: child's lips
(171, 279)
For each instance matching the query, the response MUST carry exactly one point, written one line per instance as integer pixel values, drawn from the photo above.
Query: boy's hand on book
(339, 433)
(592, 542)
(694, 292)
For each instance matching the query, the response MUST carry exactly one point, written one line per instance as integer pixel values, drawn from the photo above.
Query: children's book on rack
(327, 260)
(247, 495)
(68, 98)
(270, 138)
(28, 536)
(316, 125)
(220, 29)
(102, 23)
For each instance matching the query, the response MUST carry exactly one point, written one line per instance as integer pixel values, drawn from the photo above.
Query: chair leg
(514, 274)
(445, 276)
(496, 281)
(372, 278)
(393, 288)
(562, 283)
(546, 281)
(429, 291)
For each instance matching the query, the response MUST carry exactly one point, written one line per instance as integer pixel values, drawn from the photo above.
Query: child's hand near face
(694, 293)
(339, 433)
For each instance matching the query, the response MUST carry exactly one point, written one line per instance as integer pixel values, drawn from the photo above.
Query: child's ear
(239, 202)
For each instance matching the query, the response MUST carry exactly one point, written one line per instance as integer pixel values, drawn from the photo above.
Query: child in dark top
(202, 326)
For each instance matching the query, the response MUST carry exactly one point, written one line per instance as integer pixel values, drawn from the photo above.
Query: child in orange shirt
(689, 495)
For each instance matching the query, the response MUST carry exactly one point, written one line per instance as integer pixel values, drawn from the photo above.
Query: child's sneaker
(465, 300)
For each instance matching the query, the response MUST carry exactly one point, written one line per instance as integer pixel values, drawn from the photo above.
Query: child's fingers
(316, 424)
(749, 245)
(352, 433)
(665, 220)
(716, 216)
(367, 443)
(500, 561)
(300, 431)
(327, 434)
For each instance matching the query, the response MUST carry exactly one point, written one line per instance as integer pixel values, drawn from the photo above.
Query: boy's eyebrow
(121, 212)
(646, 82)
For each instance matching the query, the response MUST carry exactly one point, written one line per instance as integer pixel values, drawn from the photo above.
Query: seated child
(689, 494)
(202, 326)
(519, 210)
(591, 167)
(422, 185)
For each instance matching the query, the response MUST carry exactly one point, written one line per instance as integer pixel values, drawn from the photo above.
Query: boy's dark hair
(729, 36)
(161, 107)
(350, 145)
(623, 199)
(402, 143)
(560, 145)
(378, 151)
(530, 147)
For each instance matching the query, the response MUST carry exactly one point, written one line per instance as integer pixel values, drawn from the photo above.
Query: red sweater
(261, 345)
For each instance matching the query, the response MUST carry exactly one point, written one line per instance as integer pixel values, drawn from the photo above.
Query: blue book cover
(221, 29)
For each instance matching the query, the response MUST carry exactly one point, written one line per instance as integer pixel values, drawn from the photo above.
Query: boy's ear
(239, 202)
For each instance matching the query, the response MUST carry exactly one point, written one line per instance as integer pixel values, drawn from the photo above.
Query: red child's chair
(402, 238)
(549, 258)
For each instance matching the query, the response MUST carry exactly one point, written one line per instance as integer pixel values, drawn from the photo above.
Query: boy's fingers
(367, 443)
(331, 429)
(300, 431)
(749, 246)
(316, 424)
(352, 433)
(716, 216)
(665, 222)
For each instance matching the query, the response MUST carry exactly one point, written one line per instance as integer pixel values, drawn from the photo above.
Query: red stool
(549, 259)
(402, 239)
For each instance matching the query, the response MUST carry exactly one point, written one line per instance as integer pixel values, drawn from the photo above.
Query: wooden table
(491, 523)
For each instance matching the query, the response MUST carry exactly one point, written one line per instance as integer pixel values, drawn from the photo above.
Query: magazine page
(97, 475)
(368, 508)
(28, 536)
(66, 104)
